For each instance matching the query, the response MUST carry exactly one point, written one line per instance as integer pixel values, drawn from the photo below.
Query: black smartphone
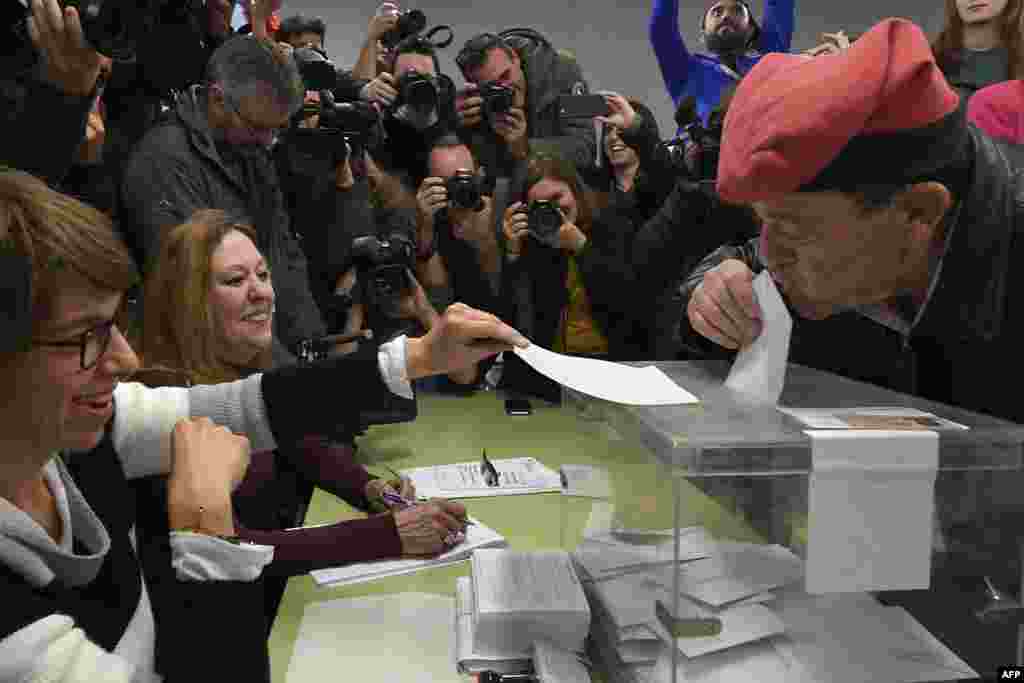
(518, 406)
(582, 106)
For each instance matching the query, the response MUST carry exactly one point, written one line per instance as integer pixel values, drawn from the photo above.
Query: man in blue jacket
(733, 37)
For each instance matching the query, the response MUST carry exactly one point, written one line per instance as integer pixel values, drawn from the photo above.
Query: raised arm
(669, 48)
(777, 28)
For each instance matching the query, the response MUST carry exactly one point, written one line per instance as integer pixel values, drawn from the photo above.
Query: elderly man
(890, 227)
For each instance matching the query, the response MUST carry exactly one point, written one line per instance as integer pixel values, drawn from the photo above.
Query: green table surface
(453, 429)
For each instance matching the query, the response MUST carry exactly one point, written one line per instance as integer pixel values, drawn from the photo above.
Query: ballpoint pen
(396, 499)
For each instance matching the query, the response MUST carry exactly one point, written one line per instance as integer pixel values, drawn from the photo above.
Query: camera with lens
(544, 220)
(703, 169)
(409, 23)
(418, 91)
(382, 270)
(497, 99)
(343, 127)
(464, 190)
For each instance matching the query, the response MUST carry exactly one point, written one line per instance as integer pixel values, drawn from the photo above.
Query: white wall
(609, 37)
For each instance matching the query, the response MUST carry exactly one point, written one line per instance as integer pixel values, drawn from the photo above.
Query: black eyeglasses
(472, 53)
(94, 342)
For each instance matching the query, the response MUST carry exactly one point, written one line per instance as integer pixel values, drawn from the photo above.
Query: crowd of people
(197, 256)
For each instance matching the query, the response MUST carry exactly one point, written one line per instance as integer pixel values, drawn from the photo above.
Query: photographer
(300, 31)
(510, 107)
(422, 111)
(322, 170)
(570, 271)
(53, 101)
(214, 154)
(457, 234)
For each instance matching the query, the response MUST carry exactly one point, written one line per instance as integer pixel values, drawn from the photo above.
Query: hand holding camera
(431, 198)
(381, 90)
(516, 227)
(468, 105)
(383, 20)
(511, 127)
(623, 115)
(70, 63)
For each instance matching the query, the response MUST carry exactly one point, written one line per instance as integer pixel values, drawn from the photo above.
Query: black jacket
(43, 127)
(537, 284)
(178, 168)
(549, 74)
(964, 351)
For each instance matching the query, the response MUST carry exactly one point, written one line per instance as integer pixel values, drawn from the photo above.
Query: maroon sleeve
(332, 467)
(303, 550)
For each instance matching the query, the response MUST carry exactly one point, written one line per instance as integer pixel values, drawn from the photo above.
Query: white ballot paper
(477, 536)
(759, 371)
(522, 596)
(733, 572)
(870, 510)
(465, 480)
(646, 386)
(360, 636)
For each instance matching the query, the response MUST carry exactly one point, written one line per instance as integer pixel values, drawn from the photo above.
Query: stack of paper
(477, 536)
(469, 658)
(516, 476)
(520, 597)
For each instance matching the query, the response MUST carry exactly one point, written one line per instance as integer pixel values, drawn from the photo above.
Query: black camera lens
(318, 72)
(544, 220)
(497, 98)
(464, 190)
(418, 91)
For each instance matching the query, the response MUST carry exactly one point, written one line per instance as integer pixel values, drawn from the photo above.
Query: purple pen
(396, 499)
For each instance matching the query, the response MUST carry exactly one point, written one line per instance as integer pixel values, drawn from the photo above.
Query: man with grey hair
(215, 154)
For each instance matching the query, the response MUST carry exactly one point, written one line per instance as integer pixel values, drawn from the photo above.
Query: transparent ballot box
(848, 534)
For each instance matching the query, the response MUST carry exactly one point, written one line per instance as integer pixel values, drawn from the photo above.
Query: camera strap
(440, 43)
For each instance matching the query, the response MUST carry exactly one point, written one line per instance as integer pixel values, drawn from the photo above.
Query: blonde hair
(53, 231)
(178, 330)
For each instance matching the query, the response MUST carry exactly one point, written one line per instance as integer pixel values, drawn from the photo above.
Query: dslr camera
(465, 190)
(410, 23)
(382, 263)
(707, 139)
(497, 99)
(544, 220)
(343, 128)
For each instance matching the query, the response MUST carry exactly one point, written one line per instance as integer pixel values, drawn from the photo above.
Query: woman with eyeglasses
(207, 318)
(75, 604)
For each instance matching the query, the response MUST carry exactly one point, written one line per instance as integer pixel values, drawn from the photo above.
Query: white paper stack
(520, 597)
(470, 659)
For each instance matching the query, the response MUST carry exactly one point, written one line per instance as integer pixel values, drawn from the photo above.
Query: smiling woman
(202, 299)
(981, 43)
